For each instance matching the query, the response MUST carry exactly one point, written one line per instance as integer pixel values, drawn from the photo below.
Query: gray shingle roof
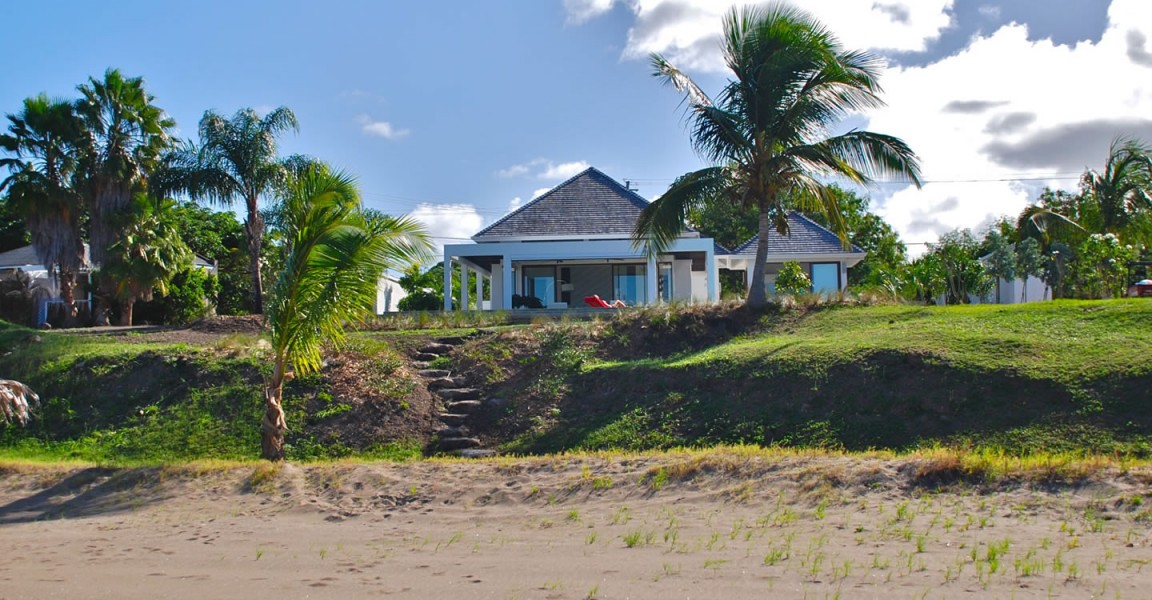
(589, 204)
(804, 237)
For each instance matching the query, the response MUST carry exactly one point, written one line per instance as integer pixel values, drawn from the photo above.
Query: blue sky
(456, 111)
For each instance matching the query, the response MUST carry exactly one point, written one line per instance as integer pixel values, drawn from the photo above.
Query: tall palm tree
(236, 159)
(124, 136)
(334, 259)
(41, 140)
(767, 133)
(1123, 190)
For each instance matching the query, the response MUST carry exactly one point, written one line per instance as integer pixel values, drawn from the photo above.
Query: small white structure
(388, 294)
(575, 241)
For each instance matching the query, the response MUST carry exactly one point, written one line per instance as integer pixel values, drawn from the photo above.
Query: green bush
(792, 280)
(191, 295)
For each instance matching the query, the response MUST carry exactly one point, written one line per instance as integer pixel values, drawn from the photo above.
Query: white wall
(388, 295)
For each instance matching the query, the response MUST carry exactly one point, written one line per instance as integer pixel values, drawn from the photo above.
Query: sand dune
(721, 525)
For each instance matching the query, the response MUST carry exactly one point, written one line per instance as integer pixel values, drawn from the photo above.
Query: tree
(1029, 263)
(964, 274)
(1001, 256)
(425, 290)
(334, 259)
(236, 159)
(766, 133)
(1101, 266)
(122, 139)
(1122, 192)
(42, 139)
(147, 256)
(925, 279)
(219, 237)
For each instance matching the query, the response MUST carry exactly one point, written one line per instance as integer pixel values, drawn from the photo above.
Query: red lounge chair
(596, 302)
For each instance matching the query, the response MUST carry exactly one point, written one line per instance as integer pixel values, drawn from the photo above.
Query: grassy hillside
(1052, 377)
(180, 395)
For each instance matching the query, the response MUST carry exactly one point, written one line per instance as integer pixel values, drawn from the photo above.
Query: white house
(575, 241)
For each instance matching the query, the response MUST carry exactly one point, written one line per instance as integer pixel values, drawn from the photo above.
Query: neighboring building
(388, 294)
(25, 259)
(818, 251)
(576, 241)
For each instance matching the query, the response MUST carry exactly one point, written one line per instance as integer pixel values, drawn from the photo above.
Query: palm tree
(334, 259)
(236, 159)
(124, 136)
(766, 135)
(149, 253)
(1123, 190)
(42, 139)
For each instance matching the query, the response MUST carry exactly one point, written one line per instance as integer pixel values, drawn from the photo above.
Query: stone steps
(460, 401)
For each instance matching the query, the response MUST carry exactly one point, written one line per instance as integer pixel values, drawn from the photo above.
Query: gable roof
(24, 256)
(591, 204)
(805, 236)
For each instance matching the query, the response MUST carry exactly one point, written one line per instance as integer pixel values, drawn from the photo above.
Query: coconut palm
(236, 159)
(123, 138)
(334, 259)
(1123, 190)
(17, 401)
(767, 133)
(41, 140)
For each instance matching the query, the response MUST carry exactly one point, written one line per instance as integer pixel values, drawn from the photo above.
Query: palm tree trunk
(274, 425)
(126, 312)
(757, 294)
(68, 295)
(254, 227)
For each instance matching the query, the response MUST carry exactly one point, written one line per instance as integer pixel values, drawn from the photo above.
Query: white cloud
(515, 203)
(563, 170)
(687, 32)
(1009, 108)
(582, 10)
(382, 129)
(449, 223)
(542, 168)
(536, 193)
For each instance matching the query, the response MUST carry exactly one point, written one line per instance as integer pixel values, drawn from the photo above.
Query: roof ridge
(597, 175)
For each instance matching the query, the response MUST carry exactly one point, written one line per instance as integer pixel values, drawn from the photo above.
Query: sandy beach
(663, 526)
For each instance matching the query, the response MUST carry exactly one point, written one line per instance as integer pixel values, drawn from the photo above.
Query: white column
(464, 286)
(447, 284)
(650, 280)
(479, 290)
(506, 268)
(843, 275)
(712, 275)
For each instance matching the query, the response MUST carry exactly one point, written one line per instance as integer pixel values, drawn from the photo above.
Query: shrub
(191, 295)
(792, 280)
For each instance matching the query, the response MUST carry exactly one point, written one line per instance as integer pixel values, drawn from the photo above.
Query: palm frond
(663, 220)
(17, 401)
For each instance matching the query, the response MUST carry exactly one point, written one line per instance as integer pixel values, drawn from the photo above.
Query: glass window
(541, 283)
(825, 278)
(665, 282)
(628, 284)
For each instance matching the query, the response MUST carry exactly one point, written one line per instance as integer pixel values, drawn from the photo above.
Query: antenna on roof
(628, 186)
